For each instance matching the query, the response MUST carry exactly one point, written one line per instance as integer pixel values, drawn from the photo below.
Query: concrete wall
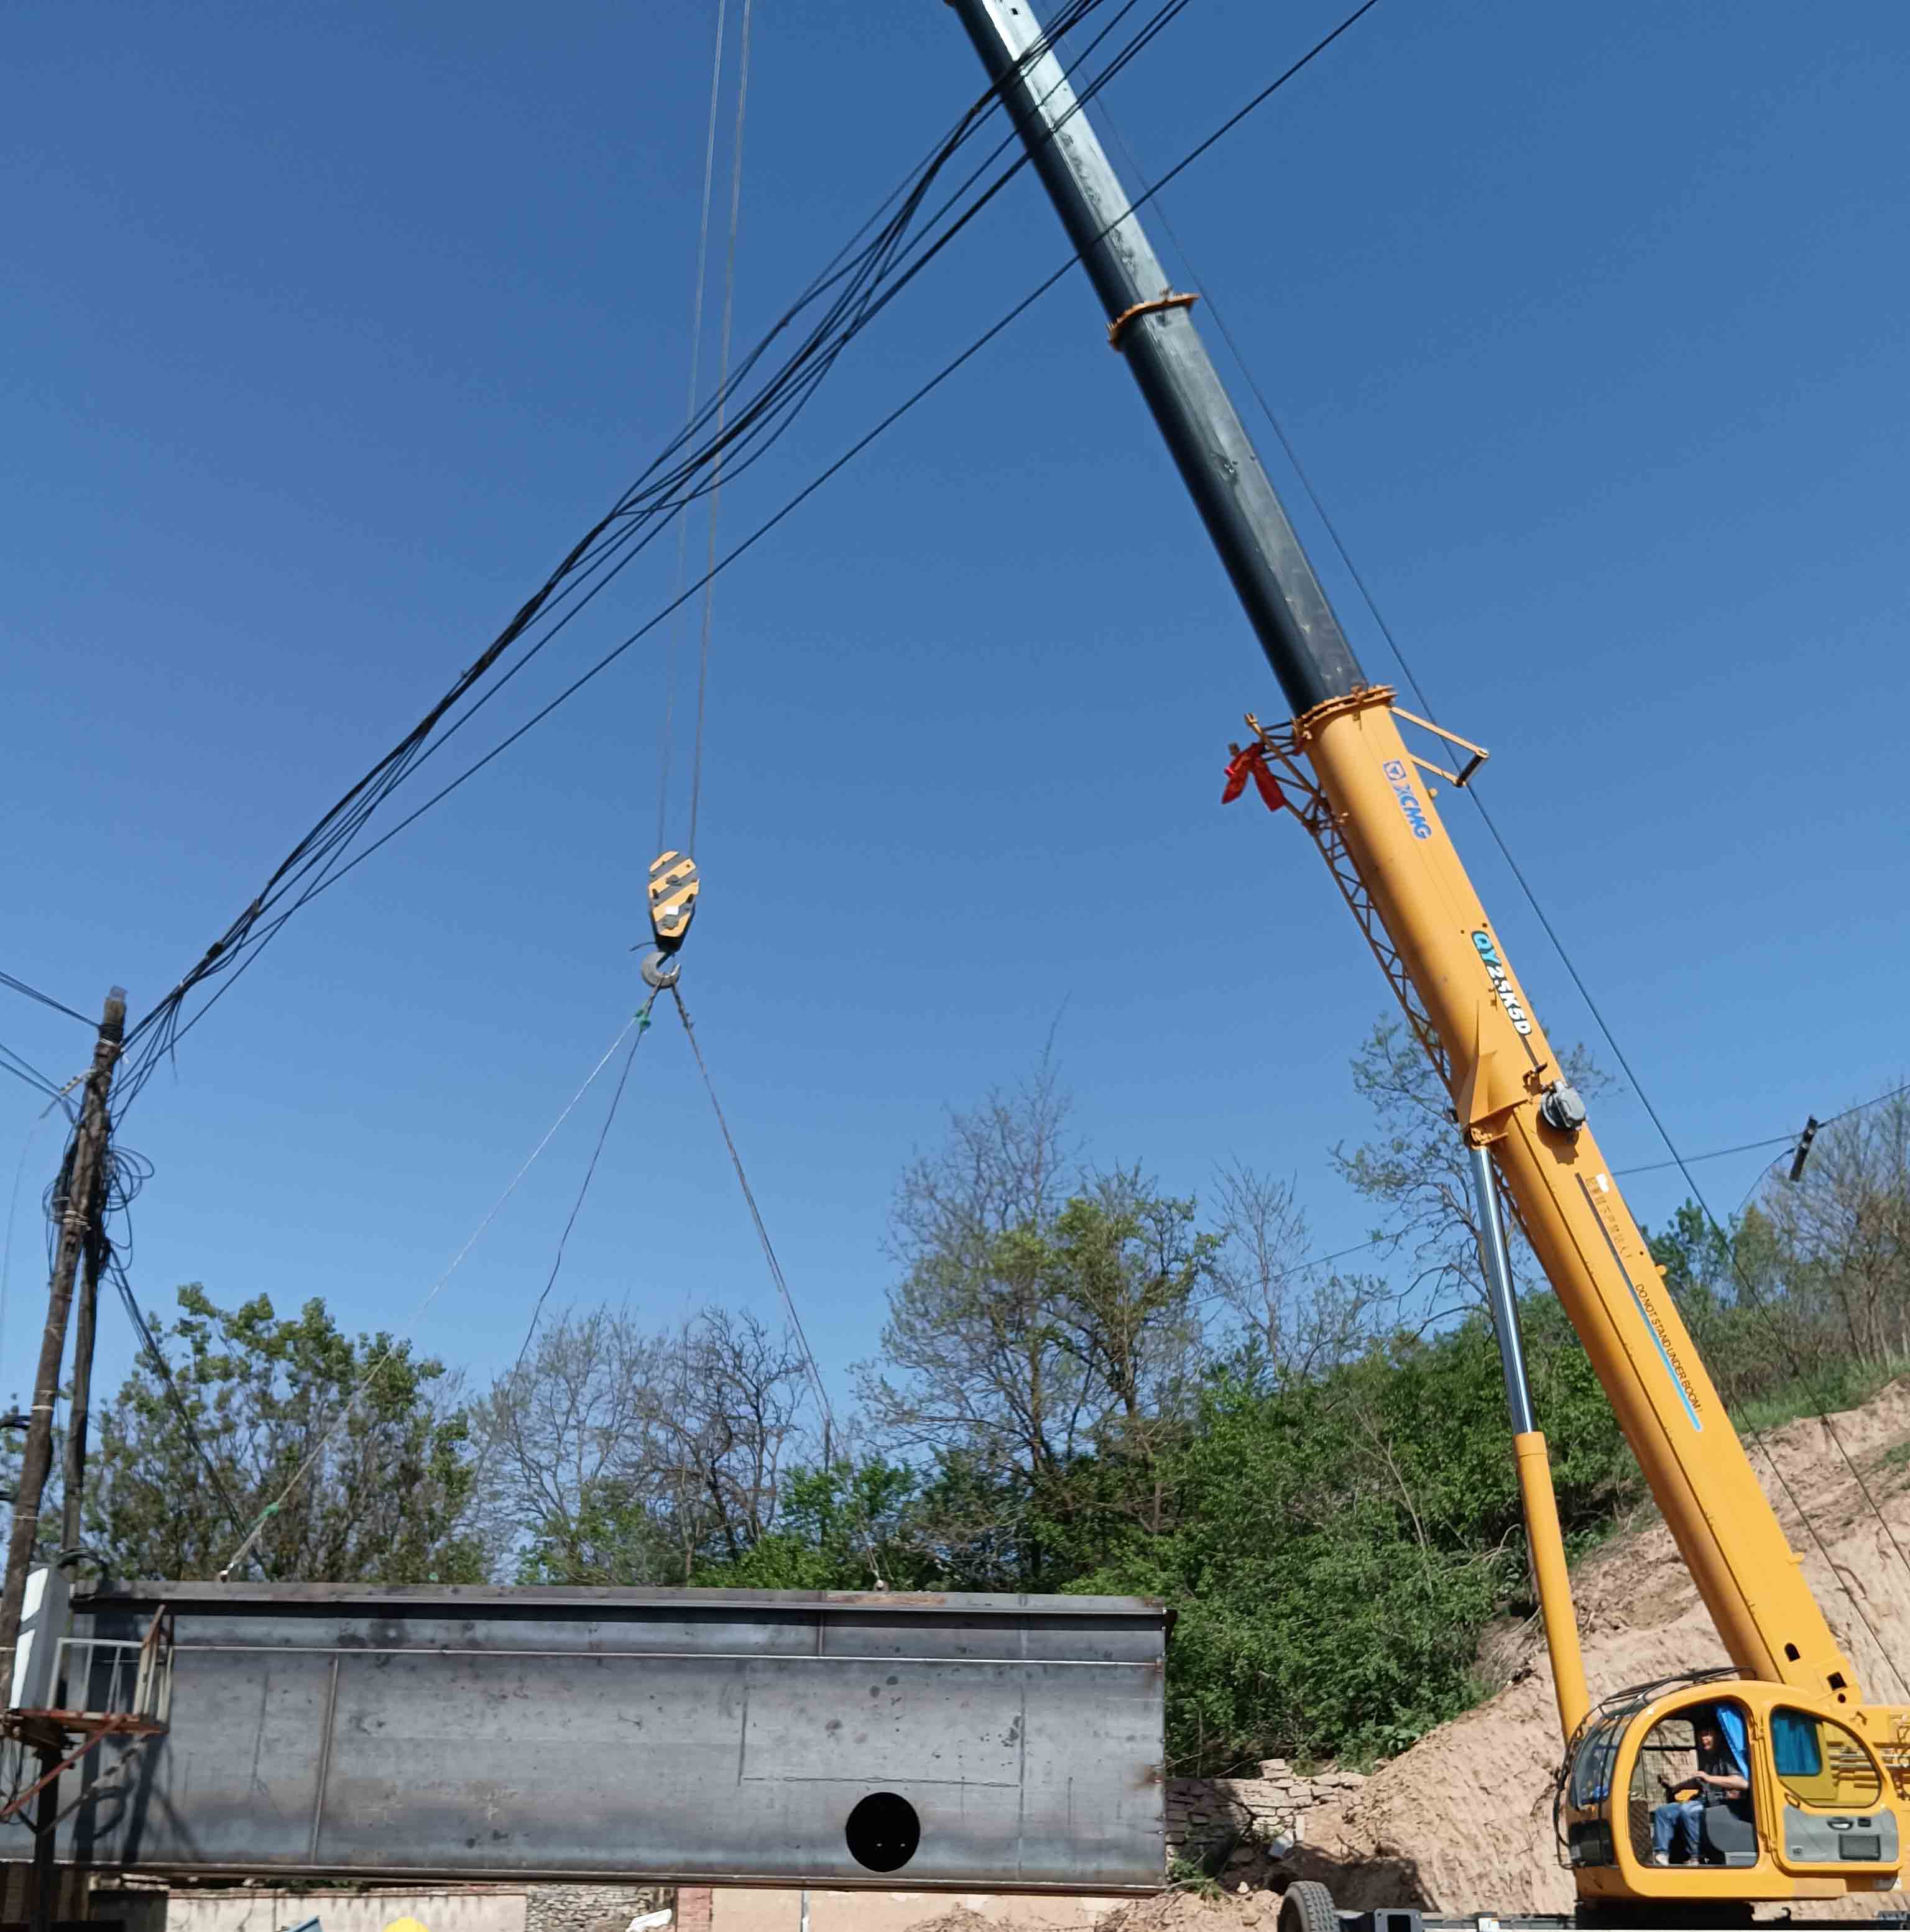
(16, 1890)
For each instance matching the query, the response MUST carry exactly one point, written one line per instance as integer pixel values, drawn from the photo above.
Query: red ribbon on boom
(1251, 762)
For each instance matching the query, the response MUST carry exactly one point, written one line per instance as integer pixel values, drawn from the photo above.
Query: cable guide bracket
(1458, 778)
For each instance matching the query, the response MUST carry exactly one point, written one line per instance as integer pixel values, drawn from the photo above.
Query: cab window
(1690, 1802)
(1820, 1763)
(1591, 1768)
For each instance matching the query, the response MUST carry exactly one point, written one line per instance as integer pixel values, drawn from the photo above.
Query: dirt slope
(1464, 1818)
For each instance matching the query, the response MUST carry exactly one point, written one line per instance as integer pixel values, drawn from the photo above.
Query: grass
(1842, 1385)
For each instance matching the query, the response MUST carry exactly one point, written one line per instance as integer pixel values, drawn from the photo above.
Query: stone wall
(589, 1908)
(1269, 1812)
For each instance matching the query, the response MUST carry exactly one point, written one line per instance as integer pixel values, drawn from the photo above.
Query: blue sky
(331, 327)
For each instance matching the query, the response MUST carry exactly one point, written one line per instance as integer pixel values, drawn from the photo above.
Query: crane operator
(1719, 1779)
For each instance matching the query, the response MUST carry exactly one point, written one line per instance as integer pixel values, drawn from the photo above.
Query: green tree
(1338, 1544)
(1045, 1342)
(850, 1526)
(617, 1455)
(355, 1453)
(1416, 1170)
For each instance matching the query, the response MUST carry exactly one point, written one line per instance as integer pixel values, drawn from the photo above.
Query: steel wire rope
(722, 389)
(335, 847)
(320, 848)
(823, 1403)
(700, 289)
(1164, 15)
(403, 1336)
(596, 1153)
(1678, 1159)
(815, 483)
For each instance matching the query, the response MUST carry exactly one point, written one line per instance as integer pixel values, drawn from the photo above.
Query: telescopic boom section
(1508, 1088)
(1284, 602)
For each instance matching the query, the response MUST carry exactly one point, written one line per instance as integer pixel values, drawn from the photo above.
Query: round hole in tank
(883, 1831)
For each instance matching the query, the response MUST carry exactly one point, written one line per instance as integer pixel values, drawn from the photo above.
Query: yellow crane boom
(1799, 1785)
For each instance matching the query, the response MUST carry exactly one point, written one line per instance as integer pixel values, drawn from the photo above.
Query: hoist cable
(690, 412)
(722, 390)
(916, 396)
(855, 288)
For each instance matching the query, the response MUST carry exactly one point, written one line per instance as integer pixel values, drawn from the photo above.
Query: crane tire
(1308, 1906)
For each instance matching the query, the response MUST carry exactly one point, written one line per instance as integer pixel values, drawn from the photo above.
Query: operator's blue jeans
(1674, 1828)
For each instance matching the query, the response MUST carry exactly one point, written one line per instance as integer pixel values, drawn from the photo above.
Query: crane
(1808, 1786)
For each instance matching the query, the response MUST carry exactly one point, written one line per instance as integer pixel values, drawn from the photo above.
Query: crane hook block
(673, 886)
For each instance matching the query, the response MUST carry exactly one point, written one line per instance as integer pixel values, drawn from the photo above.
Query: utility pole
(79, 1401)
(79, 1235)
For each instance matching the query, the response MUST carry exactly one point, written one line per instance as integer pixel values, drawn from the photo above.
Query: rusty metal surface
(702, 1736)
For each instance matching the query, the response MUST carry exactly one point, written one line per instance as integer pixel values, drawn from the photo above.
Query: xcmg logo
(1401, 780)
(1501, 982)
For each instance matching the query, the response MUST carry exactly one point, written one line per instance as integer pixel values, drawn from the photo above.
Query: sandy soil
(1462, 1822)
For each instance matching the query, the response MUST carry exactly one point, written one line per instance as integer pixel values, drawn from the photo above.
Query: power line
(854, 291)
(13, 1204)
(156, 1356)
(1862, 1104)
(803, 372)
(1789, 1140)
(855, 449)
(45, 999)
(1717, 1153)
(23, 1069)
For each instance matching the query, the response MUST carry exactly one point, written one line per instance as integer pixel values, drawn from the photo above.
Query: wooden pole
(82, 1209)
(80, 1237)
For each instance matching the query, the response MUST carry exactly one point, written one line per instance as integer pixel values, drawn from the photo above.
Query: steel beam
(703, 1736)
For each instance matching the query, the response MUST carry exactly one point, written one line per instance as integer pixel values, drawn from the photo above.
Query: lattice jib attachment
(1317, 815)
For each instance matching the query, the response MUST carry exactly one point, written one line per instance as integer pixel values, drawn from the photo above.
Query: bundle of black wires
(761, 398)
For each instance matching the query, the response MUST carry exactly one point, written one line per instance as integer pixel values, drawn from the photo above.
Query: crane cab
(1796, 1802)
